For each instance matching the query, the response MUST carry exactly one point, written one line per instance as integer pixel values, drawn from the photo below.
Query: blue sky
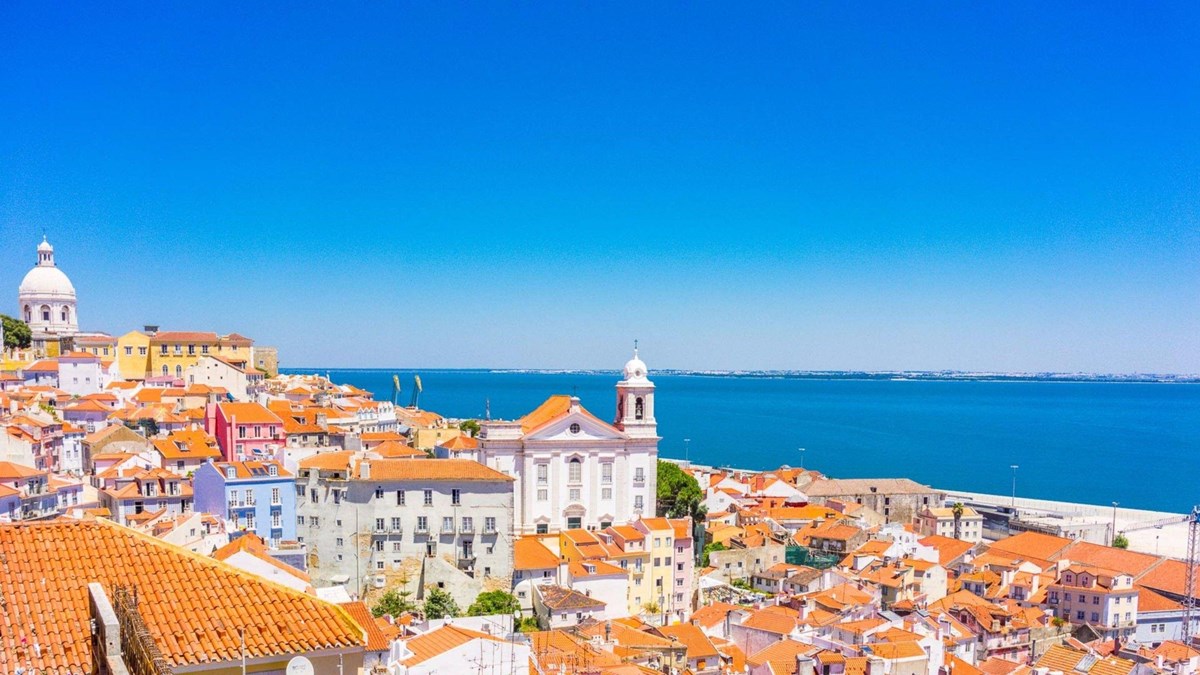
(796, 185)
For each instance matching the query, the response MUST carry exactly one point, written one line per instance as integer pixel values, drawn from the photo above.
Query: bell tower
(635, 400)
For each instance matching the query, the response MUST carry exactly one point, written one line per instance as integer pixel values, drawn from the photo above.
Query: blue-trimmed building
(252, 496)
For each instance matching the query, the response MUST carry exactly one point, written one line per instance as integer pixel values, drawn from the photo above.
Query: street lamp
(801, 458)
(1014, 468)
(687, 446)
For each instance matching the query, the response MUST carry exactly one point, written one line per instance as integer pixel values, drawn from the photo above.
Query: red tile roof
(193, 606)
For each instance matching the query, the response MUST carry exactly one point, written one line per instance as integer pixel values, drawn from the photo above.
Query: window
(639, 475)
(422, 523)
(379, 546)
(337, 496)
(339, 542)
(447, 524)
(575, 470)
(312, 494)
(1095, 617)
(163, 350)
(276, 520)
(574, 523)
(574, 494)
(429, 498)
(396, 546)
(141, 351)
(639, 408)
(379, 525)
(454, 496)
(129, 351)
(1082, 599)
(468, 524)
(543, 474)
(378, 493)
(1079, 616)
(191, 350)
(395, 524)
(203, 349)
(314, 521)
(399, 497)
(272, 470)
(637, 502)
(606, 494)
(275, 496)
(606, 472)
(489, 524)
(575, 428)
(1095, 600)
(543, 495)
(542, 528)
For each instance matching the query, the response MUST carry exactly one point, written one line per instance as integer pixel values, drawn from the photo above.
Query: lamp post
(801, 458)
(1014, 468)
(687, 455)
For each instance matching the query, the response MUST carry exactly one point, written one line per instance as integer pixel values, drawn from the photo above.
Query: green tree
(958, 509)
(393, 603)
(440, 605)
(709, 548)
(679, 494)
(469, 427)
(16, 332)
(528, 624)
(493, 602)
(1120, 541)
(743, 584)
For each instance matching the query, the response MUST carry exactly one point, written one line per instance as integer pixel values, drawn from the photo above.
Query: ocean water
(1090, 442)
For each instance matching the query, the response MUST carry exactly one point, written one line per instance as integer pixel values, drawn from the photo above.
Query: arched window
(575, 470)
(66, 314)
(28, 314)
(46, 313)
(639, 408)
(178, 371)
(166, 371)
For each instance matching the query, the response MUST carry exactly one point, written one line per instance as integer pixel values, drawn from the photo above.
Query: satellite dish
(300, 665)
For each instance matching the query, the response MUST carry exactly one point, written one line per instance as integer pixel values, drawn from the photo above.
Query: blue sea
(1090, 442)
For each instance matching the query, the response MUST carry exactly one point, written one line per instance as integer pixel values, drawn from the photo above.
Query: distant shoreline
(823, 375)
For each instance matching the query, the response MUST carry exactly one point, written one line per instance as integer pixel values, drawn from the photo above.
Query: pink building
(244, 430)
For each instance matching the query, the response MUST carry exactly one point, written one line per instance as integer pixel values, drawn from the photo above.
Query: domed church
(46, 299)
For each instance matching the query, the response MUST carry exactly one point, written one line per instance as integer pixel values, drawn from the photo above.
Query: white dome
(48, 283)
(635, 368)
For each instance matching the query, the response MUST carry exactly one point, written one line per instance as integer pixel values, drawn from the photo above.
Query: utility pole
(1112, 535)
(1014, 468)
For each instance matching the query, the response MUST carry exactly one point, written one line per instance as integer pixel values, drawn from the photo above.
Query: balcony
(422, 529)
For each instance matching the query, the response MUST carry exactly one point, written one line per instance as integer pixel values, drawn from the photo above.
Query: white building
(414, 522)
(243, 381)
(941, 521)
(80, 373)
(46, 298)
(574, 470)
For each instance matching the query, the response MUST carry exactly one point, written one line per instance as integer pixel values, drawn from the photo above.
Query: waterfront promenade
(1137, 524)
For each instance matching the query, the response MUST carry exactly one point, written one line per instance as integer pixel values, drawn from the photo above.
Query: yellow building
(173, 352)
(133, 355)
(660, 545)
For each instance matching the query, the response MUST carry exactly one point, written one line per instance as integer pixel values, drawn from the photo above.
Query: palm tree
(958, 514)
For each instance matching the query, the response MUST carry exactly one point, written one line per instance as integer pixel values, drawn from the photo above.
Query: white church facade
(572, 469)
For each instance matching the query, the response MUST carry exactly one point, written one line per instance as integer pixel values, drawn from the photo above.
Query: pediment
(589, 428)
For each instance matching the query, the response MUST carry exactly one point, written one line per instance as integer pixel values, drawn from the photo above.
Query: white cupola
(635, 400)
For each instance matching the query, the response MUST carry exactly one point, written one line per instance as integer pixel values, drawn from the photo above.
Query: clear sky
(787, 185)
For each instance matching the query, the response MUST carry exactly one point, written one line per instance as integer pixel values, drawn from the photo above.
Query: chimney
(364, 469)
(574, 404)
(1158, 661)
(804, 665)
(874, 665)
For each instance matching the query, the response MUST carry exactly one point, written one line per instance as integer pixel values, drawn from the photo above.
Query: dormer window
(272, 470)
(230, 472)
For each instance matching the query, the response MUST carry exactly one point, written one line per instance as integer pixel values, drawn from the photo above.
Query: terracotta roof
(183, 336)
(551, 409)
(12, 471)
(462, 442)
(1149, 601)
(396, 449)
(948, 548)
(431, 469)
(248, 413)
(559, 651)
(895, 650)
(439, 641)
(328, 461)
(711, 615)
(1110, 557)
(836, 487)
(697, 644)
(558, 598)
(781, 656)
(191, 604)
(1033, 545)
(529, 553)
(1168, 577)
